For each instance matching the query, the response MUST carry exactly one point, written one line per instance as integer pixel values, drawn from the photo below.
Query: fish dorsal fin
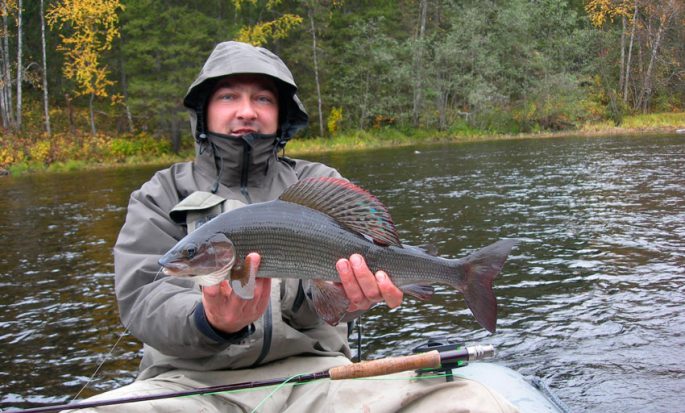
(348, 204)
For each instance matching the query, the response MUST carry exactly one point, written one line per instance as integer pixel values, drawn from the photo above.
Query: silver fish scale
(298, 242)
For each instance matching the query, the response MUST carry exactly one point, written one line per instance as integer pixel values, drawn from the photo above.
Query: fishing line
(300, 379)
(104, 360)
(279, 387)
(286, 382)
(108, 356)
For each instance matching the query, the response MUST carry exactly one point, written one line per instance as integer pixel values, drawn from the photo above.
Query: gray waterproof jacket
(166, 313)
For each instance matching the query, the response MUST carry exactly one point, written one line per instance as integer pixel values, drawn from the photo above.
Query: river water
(591, 301)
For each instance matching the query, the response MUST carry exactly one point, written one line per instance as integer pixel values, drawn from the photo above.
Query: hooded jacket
(166, 313)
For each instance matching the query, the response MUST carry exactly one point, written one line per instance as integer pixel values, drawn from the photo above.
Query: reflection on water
(590, 300)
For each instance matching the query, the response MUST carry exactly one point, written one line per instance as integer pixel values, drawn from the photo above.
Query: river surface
(592, 301)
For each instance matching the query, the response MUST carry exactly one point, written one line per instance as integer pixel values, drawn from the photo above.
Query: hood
(229, 58)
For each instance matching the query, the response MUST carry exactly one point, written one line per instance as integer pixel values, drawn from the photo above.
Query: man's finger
(347, 279)
(214, 290)
(391, 294)
(367, 282)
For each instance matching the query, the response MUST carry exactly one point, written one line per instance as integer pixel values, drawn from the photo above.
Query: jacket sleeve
(157, 309)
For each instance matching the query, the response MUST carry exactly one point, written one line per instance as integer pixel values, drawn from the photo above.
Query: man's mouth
(242, 131)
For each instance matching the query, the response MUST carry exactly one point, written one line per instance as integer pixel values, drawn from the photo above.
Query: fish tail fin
(480, 269)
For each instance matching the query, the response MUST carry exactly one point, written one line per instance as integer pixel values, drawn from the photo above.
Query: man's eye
(265, 99)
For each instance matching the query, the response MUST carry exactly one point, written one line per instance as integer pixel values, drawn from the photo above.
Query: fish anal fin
(243, 278)
(422, 292)
(348, 204)
(329, 300)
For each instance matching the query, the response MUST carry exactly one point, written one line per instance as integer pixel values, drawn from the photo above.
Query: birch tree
(20, 67)
(310, 14)
(659, 16)
(45, 69)
(419, 46)
(94, 26)
(319, 11)
(626, 77)
(7, 8)
(602, 12)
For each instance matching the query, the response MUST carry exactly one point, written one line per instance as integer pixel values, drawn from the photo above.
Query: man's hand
(363, 288)
(229, 313)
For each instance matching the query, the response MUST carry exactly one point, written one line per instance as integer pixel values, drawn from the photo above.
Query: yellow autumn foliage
(334, 119)
(261, 33)
(94, 26)
(601, 11)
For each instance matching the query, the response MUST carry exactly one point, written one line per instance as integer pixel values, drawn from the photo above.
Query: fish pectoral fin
(423, 292)
(329, 300)
(243, 278)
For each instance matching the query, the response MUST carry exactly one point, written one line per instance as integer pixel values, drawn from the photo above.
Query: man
(244, 109)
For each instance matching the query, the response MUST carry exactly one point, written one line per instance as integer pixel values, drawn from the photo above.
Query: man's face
(242, 104)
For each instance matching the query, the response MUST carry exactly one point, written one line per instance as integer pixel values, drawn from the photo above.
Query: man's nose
(246, 109)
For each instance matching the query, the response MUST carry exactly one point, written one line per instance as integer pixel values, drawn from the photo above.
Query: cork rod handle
(389, 365)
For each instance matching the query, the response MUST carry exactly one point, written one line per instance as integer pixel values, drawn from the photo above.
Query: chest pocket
(200, 207)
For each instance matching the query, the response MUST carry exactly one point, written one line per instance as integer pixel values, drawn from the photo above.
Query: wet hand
(363, 288)
(229, 313)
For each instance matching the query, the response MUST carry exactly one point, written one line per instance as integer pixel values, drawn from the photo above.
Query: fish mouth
(183, 269)
(175, 269)
(204, 279)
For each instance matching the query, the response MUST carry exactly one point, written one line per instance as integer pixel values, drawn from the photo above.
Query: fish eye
(189, 251)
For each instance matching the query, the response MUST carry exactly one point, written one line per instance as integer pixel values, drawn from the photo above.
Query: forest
(105, 79)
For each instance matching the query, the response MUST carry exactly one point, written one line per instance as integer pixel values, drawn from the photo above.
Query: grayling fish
(308, 229)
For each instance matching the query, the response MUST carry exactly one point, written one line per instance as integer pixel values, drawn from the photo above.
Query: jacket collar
(237, 162)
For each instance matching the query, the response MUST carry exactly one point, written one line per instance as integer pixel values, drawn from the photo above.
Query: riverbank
(654, 124)
(87, 153)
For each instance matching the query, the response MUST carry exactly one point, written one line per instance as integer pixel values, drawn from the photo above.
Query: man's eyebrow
(229, 84)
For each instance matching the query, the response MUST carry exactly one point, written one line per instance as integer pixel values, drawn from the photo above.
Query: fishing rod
(446, 357)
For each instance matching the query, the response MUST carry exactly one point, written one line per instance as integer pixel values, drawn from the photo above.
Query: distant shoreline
(306, 148)
(374, 139)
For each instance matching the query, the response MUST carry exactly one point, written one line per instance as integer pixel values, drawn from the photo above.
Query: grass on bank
(64, 152)
(379, 138)
(665, 122)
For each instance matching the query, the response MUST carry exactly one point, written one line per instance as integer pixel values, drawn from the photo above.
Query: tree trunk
(175, 134)
(626, 79)
(621, 76)
(7, 72)
(442, 97)
(20, 68)
(45, 70)
(70, 112)
(637, 96)
(418, 62)
(92, 114)
(3, 90)
(365, 103)
(647, 90)
(124, 88)
(316, 68)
